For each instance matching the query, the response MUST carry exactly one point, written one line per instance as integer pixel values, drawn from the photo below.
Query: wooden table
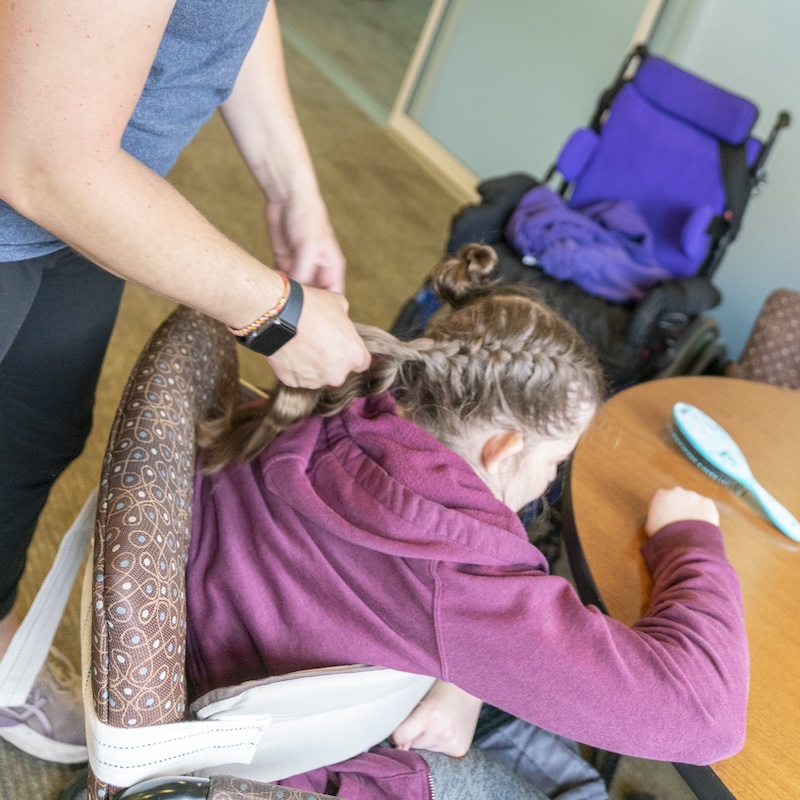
(625, 455)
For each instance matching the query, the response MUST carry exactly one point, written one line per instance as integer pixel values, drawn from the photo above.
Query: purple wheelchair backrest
(659, 148)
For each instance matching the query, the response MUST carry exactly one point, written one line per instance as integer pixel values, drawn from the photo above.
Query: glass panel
(506, 82)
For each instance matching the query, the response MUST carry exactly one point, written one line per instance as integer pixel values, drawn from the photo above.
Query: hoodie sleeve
(671, 687)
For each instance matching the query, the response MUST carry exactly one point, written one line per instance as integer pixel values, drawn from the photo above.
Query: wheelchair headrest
(719, 113)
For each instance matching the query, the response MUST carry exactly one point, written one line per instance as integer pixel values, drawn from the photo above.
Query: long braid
(499, 356)
(241, 434)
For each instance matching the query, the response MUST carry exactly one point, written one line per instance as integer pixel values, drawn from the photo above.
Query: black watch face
(281, 328)
(274, 337)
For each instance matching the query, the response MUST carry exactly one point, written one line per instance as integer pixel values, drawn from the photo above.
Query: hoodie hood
(379, 481)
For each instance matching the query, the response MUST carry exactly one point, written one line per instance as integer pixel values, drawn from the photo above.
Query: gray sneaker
(50, 725)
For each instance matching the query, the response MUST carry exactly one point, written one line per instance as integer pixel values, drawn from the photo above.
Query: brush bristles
(702, 464)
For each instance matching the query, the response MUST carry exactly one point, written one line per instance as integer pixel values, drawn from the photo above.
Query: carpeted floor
(392, 220)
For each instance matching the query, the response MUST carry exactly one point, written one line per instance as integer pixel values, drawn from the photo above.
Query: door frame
(455, 176)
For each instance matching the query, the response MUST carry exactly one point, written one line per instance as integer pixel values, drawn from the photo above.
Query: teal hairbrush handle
(781, 517)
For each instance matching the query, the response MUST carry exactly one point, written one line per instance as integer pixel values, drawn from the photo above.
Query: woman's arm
(70, 76)
(261, 117)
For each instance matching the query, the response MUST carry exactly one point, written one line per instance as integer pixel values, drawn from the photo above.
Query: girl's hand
(673, 505)
(444, 721)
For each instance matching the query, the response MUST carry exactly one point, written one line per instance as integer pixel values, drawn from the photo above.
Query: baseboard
(451, 173)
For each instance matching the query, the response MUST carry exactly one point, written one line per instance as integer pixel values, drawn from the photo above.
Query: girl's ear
(498, 447)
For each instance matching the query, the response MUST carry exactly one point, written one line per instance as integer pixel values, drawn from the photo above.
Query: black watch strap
(275, 332)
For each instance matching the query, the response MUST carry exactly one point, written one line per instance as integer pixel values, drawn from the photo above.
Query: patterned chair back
(772, 353)
(185, 372)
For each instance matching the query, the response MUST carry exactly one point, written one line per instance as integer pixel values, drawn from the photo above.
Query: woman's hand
(303, 243)
(673, 505)
(326, 348)
(444, 721)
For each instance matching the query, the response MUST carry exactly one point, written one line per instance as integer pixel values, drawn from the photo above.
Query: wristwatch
(277, 330)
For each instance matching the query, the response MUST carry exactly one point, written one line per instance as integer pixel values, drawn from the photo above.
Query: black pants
(56, 316)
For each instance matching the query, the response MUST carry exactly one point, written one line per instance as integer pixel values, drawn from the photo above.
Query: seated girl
(375, 524)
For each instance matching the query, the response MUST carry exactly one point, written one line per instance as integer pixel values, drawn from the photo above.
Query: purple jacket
(605, 248)
(361, 539)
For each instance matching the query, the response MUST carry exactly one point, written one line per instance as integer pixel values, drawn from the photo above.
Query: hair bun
(465, 276)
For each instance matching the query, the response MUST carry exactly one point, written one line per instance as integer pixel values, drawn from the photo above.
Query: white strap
(319, 717)
(264, 731)
(243, 742)
(125, 756)
(28, 650)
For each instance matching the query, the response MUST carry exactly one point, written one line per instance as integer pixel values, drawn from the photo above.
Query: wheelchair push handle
(783, 120)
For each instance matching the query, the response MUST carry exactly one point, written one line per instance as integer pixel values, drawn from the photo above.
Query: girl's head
(499, 371)
(504, 381)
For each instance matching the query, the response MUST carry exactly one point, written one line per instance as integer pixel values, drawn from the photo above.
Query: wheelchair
(666, 146)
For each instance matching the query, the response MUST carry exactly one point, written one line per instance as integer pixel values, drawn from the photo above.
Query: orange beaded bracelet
(267, 315)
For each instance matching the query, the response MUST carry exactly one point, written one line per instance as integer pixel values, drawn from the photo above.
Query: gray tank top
(194, 71)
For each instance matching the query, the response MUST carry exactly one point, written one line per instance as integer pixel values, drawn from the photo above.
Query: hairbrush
(714, 451)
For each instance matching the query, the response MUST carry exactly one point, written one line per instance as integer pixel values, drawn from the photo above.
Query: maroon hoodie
(362, 539)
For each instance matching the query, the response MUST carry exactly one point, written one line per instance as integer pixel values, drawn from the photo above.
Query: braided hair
(497, 357)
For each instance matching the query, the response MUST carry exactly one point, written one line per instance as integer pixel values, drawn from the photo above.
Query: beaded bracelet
(267, 315)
